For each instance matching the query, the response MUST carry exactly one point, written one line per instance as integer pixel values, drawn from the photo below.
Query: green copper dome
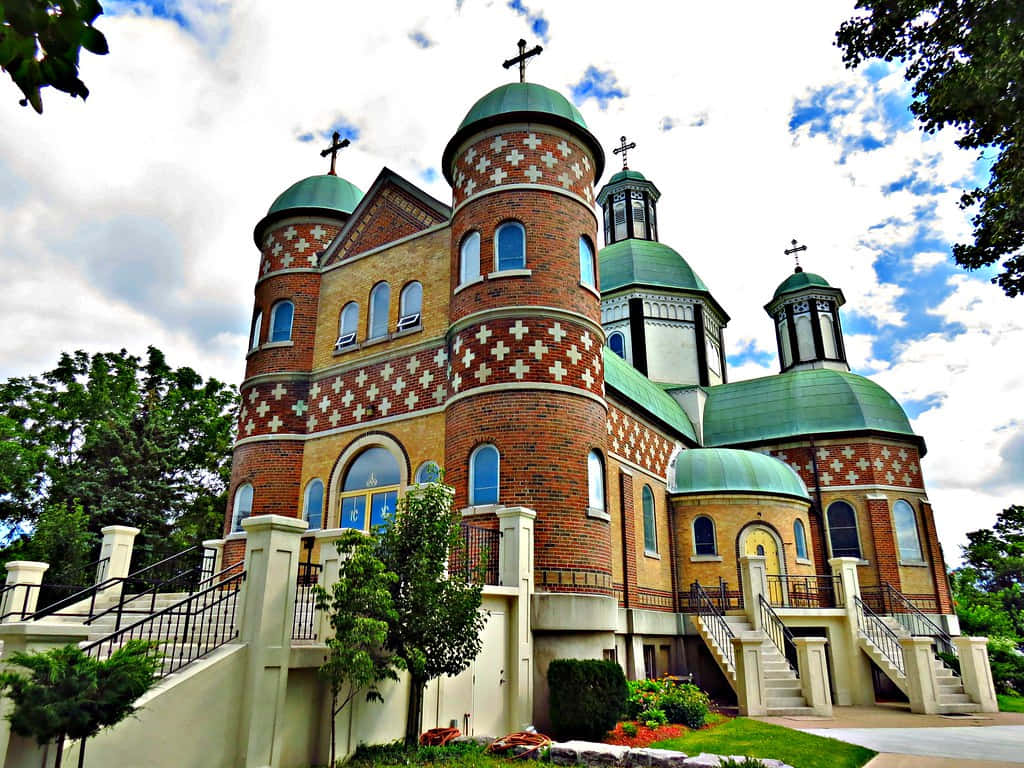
(627, 175)
(726, 470)
(523, 102)
(646, 262)
(315, 195)
(800, 280)
(810, 402)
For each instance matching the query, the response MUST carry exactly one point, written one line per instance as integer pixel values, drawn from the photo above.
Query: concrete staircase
(782, 686)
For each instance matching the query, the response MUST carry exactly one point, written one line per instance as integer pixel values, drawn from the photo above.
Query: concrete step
(954, 698)
(779, 674)
(786, 701)
(952, 709)
(782, 682)
(789, 711)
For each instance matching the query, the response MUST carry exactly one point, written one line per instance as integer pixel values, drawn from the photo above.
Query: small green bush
(682, 703)
(1007, 665)
(653, 717)
(746, 762)
(587, 697)
(629, 729)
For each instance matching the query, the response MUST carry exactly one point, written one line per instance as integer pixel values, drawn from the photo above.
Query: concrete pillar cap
(810, 640)
(330, 534)
(517, 512)
(969, 640)
(914, 640)
(126, 529)
(274, 523)
(749, 638)
(213, 543)
(27, 565)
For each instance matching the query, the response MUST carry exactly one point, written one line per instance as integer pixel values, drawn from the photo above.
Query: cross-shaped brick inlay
(498, 144)
(558, 372)
(275, 423)
(498, 176)
(470, 154)
(335, 418)
(468, 358)
(263, 409)
(852, 476)
(519, 330)
(499, 350)
(532, 141)
(457, 345)
(564, 179)
(896, 466)
(456, 382)
(336, 386)
(325, 403)
(244, 415)
(574, 355)
(266, 266)
(372, 392)
(386, 371)
(279, 391)
(412, 365)
(586, 162)
(890, 478)
(483, 372)
(290, 233)
(519, 368)
(250, 427)
(398, 386)
(483, 334)
(538, 350)
(347, 399)
(253, 394)
(358, 412)
(549, 160)
(837, 466)
(902, 454)
(533, 174)
(886, 454)
(847, 452)
(587, 340)
(482, 164)
(300, 408)
(276, 250)
(302, 245)
(439, 394)
(385, 406)
(564, 148)
(318, 232)
(822, 454)
(826, 478)
(441, 358)
(557, 333)
(514, 157)
(314, 391)
(879, 465)
(577, 170)
(411, 399)
(286, 262)
(425, 378)
(906, 479)
(470, 186)
(588, 377)
(361, 378)
(311, 423)
(863, 464)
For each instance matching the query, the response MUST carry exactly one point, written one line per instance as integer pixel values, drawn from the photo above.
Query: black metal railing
(778, 633)
(304, 624)
(714, 622)
(884, 599)
(903, 610)
(185, 631)
(479, 554)
(90, 573)
(817, 591)
(724, 598)
(878, 632)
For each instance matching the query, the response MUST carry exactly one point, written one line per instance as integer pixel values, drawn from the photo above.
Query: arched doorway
(761, 541)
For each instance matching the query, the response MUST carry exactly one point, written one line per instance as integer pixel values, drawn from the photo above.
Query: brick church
(534, 338)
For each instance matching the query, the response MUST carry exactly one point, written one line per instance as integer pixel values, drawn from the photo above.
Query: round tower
(267, 460)
(808, 333)
(526, 415)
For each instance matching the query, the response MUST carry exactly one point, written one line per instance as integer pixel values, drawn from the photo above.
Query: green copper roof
(800, 280)
(522, 97)
(636, 387)
(329, 192)
(627, 175)
(646, 262)
(810, 402)
(726, 470)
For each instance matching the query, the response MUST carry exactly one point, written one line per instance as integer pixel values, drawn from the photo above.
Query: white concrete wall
(671, 352)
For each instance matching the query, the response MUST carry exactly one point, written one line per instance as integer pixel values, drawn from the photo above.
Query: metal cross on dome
(621, 150)
(521, 59)
(333, 150)
(795, 253)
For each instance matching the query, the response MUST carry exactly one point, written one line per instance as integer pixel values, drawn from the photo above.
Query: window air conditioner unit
(405, 322)
(345, 341)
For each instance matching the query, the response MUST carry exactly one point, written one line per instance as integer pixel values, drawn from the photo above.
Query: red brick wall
(303, 289)
(273, 468)
(886, 561)
(392, 215)
(938, 562)
(628, 538)
(234, 552)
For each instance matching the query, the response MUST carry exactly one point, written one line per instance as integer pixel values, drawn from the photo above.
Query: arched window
(595, 481)
(313, 506)
(704, 536)
(801, 539)
(243, 506)
(637, 204)
(483, 475)
(257, 327)
(281, 321)
(617, 343)
(828, 336)
(411, 300)
(348, 323)
(787, 353)
(650, 523)
(380, 303)
(842, 530)
(804, 337)
(588, 274)
(510, 241)
(469, 258)
(906, 532)
(428, 472)
(371, 484)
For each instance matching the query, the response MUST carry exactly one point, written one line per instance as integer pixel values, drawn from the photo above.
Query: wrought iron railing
(817, 591)
(903, 610)
(185, 631)
(884, 599)
(90, 573)
(480, 550)
(724, 598)
(304, 624)
(878, 632)
(777, 632)
(714, 622)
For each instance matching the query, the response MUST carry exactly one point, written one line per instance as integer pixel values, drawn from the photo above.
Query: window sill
(804, 561)
(345, 350)
(591, 288)
(273, 344)
(481, 509)
(510, 273)
(372, 342)
(598, 514)
(464, 286)
(913, 564)
(407, 332)
(652, 555)
(705, 558)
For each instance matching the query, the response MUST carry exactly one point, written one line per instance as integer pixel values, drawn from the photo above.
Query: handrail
(94, 566)
(803, 591)
(777, 632)
(158, 563)
(876, 630)
(714, 621)
(304, 626)
(198, 624)
(912, 619)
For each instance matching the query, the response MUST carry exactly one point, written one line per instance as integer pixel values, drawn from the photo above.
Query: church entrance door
(761, 541)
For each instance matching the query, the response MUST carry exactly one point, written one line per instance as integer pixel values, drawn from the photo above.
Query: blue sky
(139, 231)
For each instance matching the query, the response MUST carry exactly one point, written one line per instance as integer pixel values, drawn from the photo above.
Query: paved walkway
(906, 740)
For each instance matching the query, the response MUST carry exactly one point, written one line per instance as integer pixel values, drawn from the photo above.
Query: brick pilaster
(886, 559)
(629, 580)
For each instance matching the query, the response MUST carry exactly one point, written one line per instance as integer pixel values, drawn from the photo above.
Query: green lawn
(741, 736)
(452, 756)
(1010, 703)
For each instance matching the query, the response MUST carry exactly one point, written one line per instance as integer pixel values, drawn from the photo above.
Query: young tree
(359, 606)
(965, 61)
(437, 624)
(134, 442)
(69, 694)
(989, 590)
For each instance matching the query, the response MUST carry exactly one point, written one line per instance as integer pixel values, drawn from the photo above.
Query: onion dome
(731, 471)
(323, 195)
(800, 280)
(646, 262)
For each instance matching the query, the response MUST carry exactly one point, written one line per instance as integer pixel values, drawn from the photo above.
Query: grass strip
(1009, 703)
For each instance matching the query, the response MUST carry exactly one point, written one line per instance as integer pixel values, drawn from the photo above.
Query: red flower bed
(644, 735)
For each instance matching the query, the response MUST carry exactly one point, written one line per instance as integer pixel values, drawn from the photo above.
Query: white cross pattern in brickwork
(361, 378)
(411, 399)
(483, 334)
(519, 368)
(533, 174)
(469, 187)
(456, 382)
(441, 358)
(483, 372)
(482, 164)
(358, 413)
(336, 386)
(398, 386)
(847, 452)
(822, 454)
(311, 423)
(314, 391)
(587, 340)
(577, 170)
(532, 141)
(886, 454)
(300, 408)
(519, 330)
(558, 372)
(538, 350)
(564, 148)
(250, 427)
(439, 394)
(318, 232)
(514, 157)
(586, 162)
(564, 180)
(348, 398)
(498, 176)
(276, 250)
(425, 378)
(902, 454)
(879, 465)
(574, 355)
(557, 333)
(372, 392)
(335, 418)
(896, 466)
(549, 160)
(253, 394)
(412, 365)
(286, 262)
(290, 233)
(275, 423)
(386, 371)
(325, 403)
(863, 464)
(498, 144)
(279, 391)
(499, 350)
(385, 406)
(852, 476)
(457, 345)
(263, 409)
(266, 266)
(468, 358)
(890, 478)
(302, 245)
(470, 154)
(588, 377)
(826, 478)
(837, 466)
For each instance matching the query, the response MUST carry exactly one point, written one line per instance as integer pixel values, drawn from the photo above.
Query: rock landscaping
(593, 754)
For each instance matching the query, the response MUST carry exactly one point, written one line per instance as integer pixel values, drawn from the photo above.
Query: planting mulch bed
(644, 735)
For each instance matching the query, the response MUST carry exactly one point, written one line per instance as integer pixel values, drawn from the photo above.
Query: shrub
(682, 703)
(746, 762)
(653, 717)
(629, 729)
(587, 697)
(1007, 665)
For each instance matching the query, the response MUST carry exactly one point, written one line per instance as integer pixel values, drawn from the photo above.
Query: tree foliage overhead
(40, 41)
(132, 442)
(965, 59)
